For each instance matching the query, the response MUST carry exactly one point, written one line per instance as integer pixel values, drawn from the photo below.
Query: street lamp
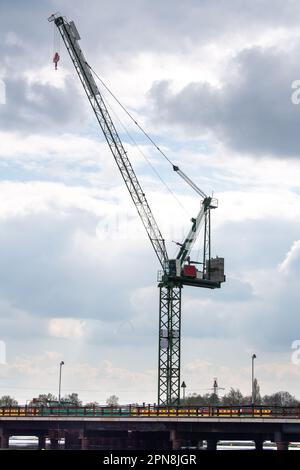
(59, 385)
(183, 386)
(253, 357)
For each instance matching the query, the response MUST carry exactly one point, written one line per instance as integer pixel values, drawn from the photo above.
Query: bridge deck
(153, 419)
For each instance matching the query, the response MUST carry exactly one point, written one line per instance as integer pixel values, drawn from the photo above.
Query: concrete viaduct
(149, 433)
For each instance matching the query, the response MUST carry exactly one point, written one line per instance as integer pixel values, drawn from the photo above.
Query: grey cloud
(121, 27)
(251, 113)
(254, 243)
(42, 275)
(36, 108)
(274, 324)
(244, 118)
(15, 323)
(236, 291)
(269, 321)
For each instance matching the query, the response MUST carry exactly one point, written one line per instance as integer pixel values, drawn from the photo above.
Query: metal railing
(129, 411)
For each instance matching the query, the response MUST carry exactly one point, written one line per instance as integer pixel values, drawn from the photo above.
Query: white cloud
(70, 328)
(291, 260)
(24, 199)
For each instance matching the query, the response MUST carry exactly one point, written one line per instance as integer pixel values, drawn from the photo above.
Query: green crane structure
(175, 273)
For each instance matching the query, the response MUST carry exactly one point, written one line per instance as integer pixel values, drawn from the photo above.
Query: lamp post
(183, 386)
(59, 385)
(253, 357)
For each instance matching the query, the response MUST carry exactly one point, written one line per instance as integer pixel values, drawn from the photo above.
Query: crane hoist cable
(56, 46)
(175, 167)
(136, 145)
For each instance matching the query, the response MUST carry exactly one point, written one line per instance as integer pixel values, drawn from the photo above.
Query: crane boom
(71, 37)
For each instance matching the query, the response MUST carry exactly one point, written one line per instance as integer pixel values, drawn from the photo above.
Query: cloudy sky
(212, 83)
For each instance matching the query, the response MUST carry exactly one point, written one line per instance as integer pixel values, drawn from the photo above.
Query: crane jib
(70, 37)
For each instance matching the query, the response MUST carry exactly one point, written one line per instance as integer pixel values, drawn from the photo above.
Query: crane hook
(56, 58)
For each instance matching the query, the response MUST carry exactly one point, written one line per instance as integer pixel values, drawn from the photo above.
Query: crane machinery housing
(175, 273)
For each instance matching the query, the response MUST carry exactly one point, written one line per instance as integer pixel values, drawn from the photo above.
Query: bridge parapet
(132, 411)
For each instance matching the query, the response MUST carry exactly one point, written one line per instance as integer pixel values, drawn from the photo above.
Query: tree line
(233, 397)
(49, 399)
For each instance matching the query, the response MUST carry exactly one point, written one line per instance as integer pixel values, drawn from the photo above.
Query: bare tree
(7, 400)
(113, 400)
(233, 397)
(280, 399)
(44, 399)
(71, 399)
(91, 404)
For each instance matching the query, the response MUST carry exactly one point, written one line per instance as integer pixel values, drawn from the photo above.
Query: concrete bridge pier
(132, 440)
(282, 445)
(176, 439)
(196, 443)
(42, 441)
(54, 443)
(281, 441)
(84, 443)
(258, 444)
(55, 434)
(200, 444)
(4, 440)
(72, 440)
(212, 444)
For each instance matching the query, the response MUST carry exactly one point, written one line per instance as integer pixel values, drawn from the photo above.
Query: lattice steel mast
(175, 273)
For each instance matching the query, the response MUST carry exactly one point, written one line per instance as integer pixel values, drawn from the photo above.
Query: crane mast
(175, 272)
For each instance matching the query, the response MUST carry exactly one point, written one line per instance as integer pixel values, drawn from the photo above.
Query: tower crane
(175, 273)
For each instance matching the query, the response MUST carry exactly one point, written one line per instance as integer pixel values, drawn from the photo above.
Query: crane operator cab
(211, 275)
